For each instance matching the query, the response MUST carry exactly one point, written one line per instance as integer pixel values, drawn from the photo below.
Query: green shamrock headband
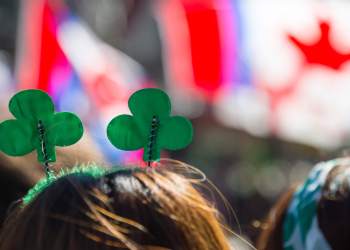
(150, 126)
(37, 127)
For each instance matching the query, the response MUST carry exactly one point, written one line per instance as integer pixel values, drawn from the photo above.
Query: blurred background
(265, 82)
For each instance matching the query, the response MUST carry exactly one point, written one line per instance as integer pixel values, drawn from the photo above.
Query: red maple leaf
(321, 51)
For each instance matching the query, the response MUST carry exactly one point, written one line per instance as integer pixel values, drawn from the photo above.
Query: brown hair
(332, 212)
(18, 174)
(271, 236)
(125, 209)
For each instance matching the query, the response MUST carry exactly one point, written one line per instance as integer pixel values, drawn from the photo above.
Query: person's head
(314, 216)
(18, 174)
(139, 208)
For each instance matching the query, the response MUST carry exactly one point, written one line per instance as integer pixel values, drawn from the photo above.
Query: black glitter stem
(41, 131)
(152, 139)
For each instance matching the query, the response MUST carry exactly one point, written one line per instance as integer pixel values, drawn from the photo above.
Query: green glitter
(91, 170)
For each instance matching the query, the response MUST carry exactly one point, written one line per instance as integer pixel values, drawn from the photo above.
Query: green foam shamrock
(150, 126)
(37, 127)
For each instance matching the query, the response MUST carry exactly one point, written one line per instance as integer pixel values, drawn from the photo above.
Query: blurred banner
(59, 54)
(268, 67)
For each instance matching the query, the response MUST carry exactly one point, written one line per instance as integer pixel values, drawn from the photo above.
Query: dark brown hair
(18, 174)
(271, 236)
(333, 213)
(125, 209)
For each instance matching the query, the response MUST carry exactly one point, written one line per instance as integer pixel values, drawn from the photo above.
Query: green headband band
(90, 170)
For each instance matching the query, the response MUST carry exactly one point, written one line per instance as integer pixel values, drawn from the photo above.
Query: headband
(38, 127)
(300, 227)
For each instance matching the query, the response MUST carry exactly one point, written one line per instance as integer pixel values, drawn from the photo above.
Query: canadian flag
(299, 54)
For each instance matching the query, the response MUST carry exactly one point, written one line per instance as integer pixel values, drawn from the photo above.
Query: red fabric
(203, 24)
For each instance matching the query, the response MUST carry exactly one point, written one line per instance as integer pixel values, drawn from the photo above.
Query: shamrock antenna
(150, 126)
(152, 139)
(38, 127)
(41, 132)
